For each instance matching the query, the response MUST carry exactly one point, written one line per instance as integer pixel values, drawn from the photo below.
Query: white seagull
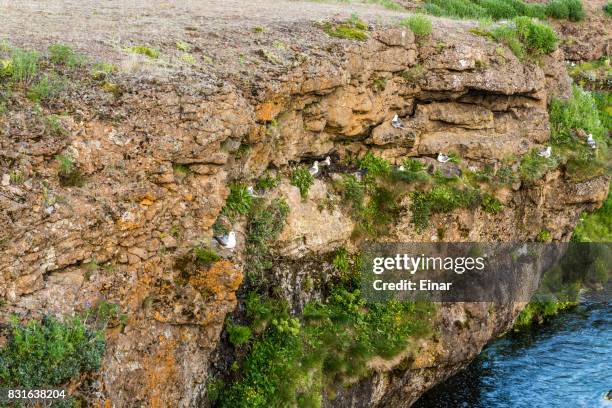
(442, 158)
(591, 142)
(251, 192)
(546, 152)
(314, 169)
(227, 241)
(396, 122)
(327, 161)
(401, 168)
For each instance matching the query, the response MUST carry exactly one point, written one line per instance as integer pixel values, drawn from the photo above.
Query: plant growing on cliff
(238, 201)
(328, 349)
(607, 8)
(265, 224)
(23, 66)
(267, 181)
(50, 352)
(69, 175)
(419, 25)
(238, 334)
(45, 88)
(526, 37)
(596, 227)
(533, 167)
(302, 179)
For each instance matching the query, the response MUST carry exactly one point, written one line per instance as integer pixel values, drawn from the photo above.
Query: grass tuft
(143, 50)
(419, 25)
(303, 180)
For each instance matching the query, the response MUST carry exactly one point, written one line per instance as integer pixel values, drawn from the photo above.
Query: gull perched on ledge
(591, 142)
(546, 153)
(396, 122)
(442, 158)
(327, 161)
(227, 241)
(251, 192)
(314, 169)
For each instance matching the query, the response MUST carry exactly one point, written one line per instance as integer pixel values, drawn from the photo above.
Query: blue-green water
(567, 362)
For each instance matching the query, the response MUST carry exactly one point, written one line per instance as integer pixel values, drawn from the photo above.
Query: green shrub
(69, 175)
(24, 66)
(143, 50)
(302, 179)
(353, 191)
(525, 36)
(414, 74)
(294, 362)
(45, 88)
(376, 166)
(238, 201)
(419, 25)
(539, 311)
(53, 125)
(49, 353)
(267, 181)
(238, 334)
(607, 8)
(264, 226)
(64, 55)
(341, 260)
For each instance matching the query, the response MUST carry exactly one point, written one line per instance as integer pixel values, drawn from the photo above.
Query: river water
(564, 363)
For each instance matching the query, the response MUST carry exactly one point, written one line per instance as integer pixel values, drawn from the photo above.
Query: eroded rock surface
(158, 153)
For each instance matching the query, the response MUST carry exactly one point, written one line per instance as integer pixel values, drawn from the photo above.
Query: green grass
(23, 66)
(53, 126)
(585, 112)
(607, 8)
(526, 37)
(505, 9)
(293, 362)
(419, 25)
(50, 352)
(303, 180)
(534, 167)
(596, 227)
(444, 198)
(143, 50)
(341, 261)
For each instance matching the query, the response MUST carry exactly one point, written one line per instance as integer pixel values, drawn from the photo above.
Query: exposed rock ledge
(118, 237)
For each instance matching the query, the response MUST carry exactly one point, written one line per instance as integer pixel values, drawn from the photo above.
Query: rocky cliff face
(158, 145)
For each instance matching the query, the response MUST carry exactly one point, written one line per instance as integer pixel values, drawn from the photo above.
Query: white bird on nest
(227, 241)
(327, 161)
(396, 122)
(401, 168)
(591, 142)
(251, 192)
(442, 158)
(546, 153)
(314, 169)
